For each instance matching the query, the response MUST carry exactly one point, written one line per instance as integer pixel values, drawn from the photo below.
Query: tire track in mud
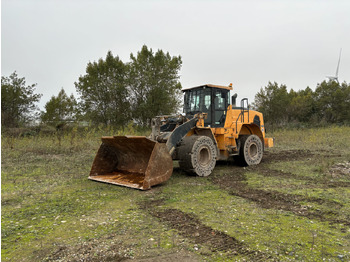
(311, 183)
(286, 202)
(235, 183)
(190, 227)
(295, 155)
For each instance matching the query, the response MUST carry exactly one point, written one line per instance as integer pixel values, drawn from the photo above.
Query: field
(294, 206)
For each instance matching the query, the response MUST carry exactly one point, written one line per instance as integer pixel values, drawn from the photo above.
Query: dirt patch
(267, 172)
(236, 185)
(92, 251)
(192, 228)
(181, 256)
(295, 155)
(286, 202)
(286, 155)
(340, 170)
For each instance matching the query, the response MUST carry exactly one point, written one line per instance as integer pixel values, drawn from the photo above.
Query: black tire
(197, 155)
(251, 150)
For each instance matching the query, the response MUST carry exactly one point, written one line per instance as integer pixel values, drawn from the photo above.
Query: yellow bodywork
(237, 123)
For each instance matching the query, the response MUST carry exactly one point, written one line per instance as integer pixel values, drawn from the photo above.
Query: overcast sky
(247, 43)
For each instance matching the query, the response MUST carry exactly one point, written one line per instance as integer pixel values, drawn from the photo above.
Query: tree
(332, 102)
(154, 84)
(60, 109)
(17, 101)
(328, 104)
(103, 92)
(302, 106)
(273, 101)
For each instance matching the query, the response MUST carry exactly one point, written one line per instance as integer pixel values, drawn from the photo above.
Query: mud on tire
(251, 150)
(197, 155)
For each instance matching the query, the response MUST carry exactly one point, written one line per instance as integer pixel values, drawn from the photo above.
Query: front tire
(197, 155)
(251, 150)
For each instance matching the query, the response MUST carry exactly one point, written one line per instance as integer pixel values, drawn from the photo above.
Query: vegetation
(328, 104)
(17, 101)
(113, 92)
(103, 92)
(292, 207)
(60, 109)
(154, 84)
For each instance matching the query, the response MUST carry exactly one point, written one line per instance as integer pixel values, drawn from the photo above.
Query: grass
(52, 212)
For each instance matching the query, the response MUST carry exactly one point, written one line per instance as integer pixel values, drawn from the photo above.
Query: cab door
(220, 102)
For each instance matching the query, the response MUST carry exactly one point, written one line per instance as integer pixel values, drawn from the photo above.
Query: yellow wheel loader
(212, 128)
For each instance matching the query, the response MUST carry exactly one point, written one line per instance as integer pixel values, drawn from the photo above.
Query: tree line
(111, 92)
(328, 104)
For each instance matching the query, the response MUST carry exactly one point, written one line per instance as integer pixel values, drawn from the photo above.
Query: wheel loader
(211, 128)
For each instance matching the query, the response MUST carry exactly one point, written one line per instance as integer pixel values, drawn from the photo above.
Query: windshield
(197, 101)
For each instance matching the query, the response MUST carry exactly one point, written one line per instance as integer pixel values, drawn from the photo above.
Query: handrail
(242, 112)
(237, 121)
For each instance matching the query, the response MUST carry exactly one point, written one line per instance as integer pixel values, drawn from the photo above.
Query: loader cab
(210, 99)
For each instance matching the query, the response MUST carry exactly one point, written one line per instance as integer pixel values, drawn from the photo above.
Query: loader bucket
(131, 161)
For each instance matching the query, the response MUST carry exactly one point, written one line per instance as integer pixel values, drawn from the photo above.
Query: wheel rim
(253, 150)
(204, 156)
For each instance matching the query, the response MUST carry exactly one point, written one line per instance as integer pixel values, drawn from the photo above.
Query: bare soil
(92, 251)
(181, 256)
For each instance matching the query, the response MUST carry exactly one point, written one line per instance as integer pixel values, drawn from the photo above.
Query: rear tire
(197, 155)
(251, 150)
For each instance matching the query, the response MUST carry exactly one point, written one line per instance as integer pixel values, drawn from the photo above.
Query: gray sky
(248, 43)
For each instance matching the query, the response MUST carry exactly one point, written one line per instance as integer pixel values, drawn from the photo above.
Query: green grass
(282, 233)
(48, 204)
(333, 138)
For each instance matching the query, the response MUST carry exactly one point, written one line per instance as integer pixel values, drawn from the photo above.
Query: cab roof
(210, 85)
